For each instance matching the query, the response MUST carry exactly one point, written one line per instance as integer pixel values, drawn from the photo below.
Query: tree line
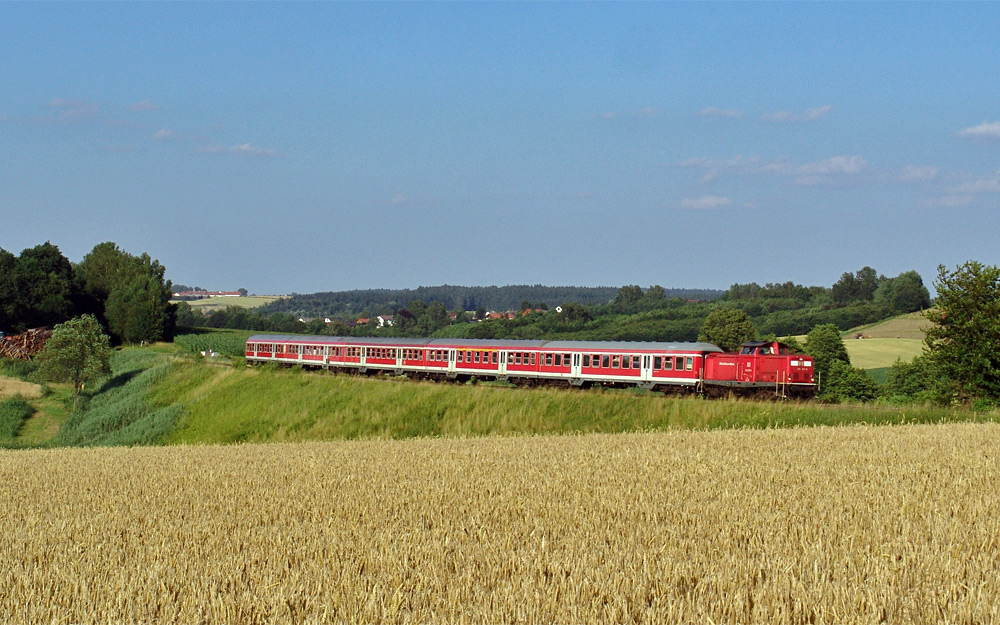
(467, 298)
(127, 294)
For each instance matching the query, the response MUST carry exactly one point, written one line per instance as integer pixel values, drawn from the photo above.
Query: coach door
(451, 361)
(575, 370)
(646, 374)
(502, 370)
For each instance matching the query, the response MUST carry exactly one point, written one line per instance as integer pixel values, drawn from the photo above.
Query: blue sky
(325, 146)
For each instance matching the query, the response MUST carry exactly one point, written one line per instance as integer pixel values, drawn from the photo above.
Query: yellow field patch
(10, 387)
(878, 353)
(821, 525)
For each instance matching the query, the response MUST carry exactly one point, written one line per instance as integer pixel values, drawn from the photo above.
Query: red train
(760, 369)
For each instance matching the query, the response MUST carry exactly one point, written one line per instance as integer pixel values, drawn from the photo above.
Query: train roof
(495, 343)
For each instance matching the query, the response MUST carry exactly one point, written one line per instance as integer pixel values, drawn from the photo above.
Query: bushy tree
(860, 286)
(846, 383)
(78, 352)
(8, 291)
(627, 296)
(135, 311)
(39, 288)
(903, 294)
(917, 381)
(826, 346)
(131, 292)
(728, 328)
(964, 340)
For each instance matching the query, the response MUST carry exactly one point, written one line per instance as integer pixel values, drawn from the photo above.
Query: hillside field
(817, 525)
(218, 303)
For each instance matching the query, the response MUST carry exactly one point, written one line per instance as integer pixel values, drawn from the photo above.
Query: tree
(917, 381)
(78, 352)
(903, 294)
(964, 340)
(824, 344)
(627, 296)
(728, 328)
(135, 311)
(44, 290)
(846, 383)
(8, 291)
(860, 286)
(118, 281)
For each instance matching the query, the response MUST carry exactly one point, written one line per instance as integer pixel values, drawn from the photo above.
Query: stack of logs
(25, 345)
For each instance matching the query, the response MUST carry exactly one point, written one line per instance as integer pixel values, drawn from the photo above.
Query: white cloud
(164, 135)
(816, 113)
(717, 112)
(705, 202)
(643, 112)
(806, 116)
(914, 173)
(985, 130)
(822, 172)
(835, 165)
(709, 176)
(145, 105)
(949, 201)
(778, 116)
(73, 110)
(243, 149)
(399, 198)
(983, 185)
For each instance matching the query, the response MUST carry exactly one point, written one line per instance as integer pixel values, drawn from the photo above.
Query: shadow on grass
(117, 381)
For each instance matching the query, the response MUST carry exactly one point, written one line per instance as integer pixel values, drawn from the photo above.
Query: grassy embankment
(169, 394)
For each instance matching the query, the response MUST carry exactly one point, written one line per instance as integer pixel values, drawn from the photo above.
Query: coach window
(557, 360)
(657, 362)
(635, 362)
(494, 358)
(616, 362)
(625, 361)
(605, 361)
(690, 364)
(586, 360)
(567, 359)
(548, 360)
(475, 356)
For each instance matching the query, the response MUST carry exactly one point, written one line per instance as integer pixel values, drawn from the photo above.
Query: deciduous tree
(728, 328)
(78, 352)
(964, 340)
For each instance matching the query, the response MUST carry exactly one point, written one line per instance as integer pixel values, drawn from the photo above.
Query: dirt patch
(10, 387)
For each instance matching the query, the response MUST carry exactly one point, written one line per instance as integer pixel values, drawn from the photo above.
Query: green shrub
(13, 413)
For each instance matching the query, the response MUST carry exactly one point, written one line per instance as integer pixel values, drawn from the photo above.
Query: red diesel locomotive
(760, 369)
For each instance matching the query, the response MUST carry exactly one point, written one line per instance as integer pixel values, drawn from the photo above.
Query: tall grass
(227, 405)
(13, 413)
(121, 412)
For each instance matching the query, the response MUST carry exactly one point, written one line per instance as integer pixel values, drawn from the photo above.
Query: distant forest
(467, 298)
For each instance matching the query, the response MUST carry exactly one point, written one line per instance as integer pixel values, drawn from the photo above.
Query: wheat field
(821, 525)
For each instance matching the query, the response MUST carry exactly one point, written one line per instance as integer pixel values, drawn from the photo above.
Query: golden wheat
(824, 525)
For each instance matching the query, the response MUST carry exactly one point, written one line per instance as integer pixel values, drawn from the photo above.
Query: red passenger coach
(760, 369)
